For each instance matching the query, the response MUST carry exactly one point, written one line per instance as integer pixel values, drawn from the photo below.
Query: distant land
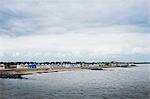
(69, 62)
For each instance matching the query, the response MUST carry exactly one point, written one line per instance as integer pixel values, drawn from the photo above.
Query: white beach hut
(2, 66)
(18, 66)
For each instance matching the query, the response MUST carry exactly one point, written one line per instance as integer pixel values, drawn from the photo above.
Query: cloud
(74, 29)
(21, 18)
(91, 42)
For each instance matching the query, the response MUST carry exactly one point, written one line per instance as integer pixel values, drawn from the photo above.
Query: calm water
(119, 83)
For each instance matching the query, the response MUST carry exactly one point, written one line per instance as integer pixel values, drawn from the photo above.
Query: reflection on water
(121, 83)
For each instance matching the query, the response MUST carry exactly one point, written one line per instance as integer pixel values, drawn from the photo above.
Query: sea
(114, 83)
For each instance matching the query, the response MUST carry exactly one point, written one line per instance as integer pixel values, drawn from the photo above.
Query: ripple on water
(121, 83)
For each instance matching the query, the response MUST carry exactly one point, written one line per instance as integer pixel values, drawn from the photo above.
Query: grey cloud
(21, 18)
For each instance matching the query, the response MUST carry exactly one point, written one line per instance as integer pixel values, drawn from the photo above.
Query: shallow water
(119, 83)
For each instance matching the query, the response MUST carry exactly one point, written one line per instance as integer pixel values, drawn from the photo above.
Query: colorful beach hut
(32, 66)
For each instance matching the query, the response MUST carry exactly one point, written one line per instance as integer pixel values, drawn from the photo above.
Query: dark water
(120, 83)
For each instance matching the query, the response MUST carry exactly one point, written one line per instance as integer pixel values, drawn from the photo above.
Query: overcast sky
(74, 30)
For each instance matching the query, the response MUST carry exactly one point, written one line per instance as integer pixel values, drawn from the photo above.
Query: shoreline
(17, 73)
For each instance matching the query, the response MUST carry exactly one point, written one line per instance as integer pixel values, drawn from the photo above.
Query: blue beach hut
(32, 66)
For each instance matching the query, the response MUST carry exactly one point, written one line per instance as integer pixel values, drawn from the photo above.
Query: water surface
(119, 83)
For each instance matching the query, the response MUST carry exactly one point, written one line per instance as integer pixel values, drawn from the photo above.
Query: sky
(74, 30)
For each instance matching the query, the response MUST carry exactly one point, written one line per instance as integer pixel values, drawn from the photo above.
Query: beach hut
(26, 65)
(32, 66)
(18, 66)
(2, 66)
(101, 64)
(22, 65)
